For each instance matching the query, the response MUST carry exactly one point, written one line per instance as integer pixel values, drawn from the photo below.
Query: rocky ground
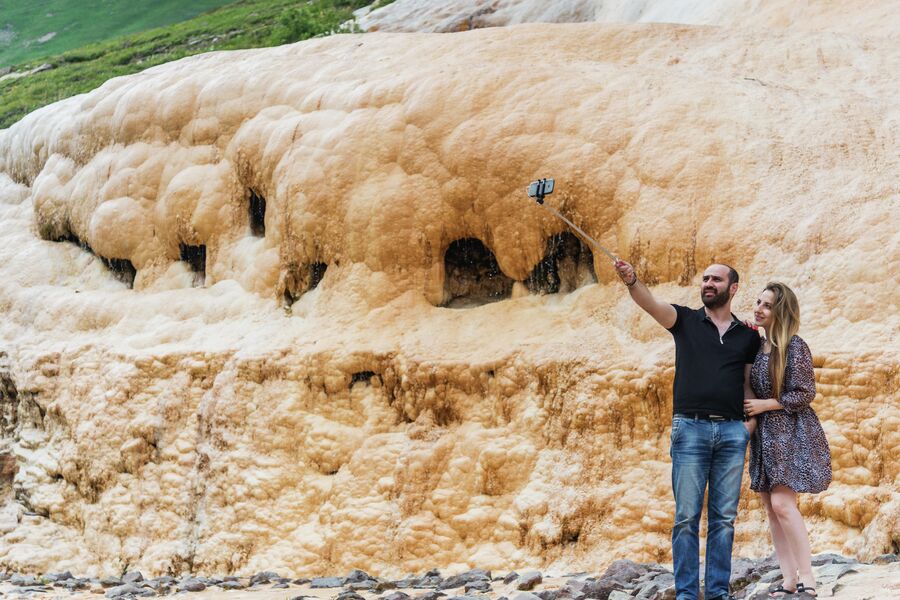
(837, 577)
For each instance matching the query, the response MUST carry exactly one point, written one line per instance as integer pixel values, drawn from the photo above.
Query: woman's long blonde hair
(785, 324)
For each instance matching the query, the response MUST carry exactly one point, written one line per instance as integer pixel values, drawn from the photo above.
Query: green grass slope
(67, 24)
(243, 24)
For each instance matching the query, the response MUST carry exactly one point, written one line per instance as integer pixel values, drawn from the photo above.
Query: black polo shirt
(709, 370)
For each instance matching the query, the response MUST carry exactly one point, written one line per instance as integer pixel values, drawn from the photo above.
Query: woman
(788, 451)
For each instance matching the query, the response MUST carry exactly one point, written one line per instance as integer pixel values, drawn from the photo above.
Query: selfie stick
(540, 200)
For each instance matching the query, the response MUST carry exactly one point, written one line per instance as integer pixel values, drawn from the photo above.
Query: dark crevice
(299, 280)
(195, 257)
(472, 275)
(121, 268)
(257, 214)
(362, 377)
(567, 265)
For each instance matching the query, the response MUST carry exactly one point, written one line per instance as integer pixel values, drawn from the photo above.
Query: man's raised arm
(663, 312)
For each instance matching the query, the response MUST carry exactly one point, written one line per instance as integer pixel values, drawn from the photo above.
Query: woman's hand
(753, 406)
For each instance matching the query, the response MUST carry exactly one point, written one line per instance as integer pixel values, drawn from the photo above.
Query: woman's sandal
(809, 591)
(781, 592)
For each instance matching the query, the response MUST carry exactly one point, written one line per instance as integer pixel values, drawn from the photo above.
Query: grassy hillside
(244, 24)
(37, 28)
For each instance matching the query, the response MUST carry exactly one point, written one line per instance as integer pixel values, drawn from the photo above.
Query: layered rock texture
(291, 308)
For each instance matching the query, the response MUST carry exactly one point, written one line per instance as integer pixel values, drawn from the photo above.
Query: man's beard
(720, 299)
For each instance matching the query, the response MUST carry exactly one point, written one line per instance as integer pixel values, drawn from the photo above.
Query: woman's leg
(783, 551)
(784, 505)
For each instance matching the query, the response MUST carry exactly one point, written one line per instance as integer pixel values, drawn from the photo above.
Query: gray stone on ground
(74, 584)
(356, 576)
(567, 594)
(660, 587)
(191, 584)
(618, 595)
(463, 578)
(432, 595)
(827, 576)
(132, 577)
(299, 581)
(326, 582)
(548, 594)
(510, 577)
(527, 596)
(23, 580)
(368, 584)
(54, 577)
(109, 582)
(263, 577)
(467, 597)
(232, 585)
(281, 586)
(481, 585)
(160, 583)
(396, 596)
(885, 559)
(347, 595)
(128, 589)
(427, 581)
(830, 558)
(528, 580)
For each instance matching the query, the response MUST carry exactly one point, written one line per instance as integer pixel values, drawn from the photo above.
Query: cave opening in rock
(472, 275)
(362, 377)
(195, 257)
(122, 269)
(567, 265)
(299, 280)
(257, 214)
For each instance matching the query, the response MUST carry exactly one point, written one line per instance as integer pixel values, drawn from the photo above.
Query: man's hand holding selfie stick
(663, 312)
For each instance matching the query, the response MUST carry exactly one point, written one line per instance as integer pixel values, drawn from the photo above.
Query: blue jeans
(705, 452)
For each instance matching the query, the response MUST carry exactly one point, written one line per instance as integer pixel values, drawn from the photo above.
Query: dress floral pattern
(789, 447)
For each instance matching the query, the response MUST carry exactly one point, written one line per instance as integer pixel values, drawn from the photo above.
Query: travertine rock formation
(225, 285)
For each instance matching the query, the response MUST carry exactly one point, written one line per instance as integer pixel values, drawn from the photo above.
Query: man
(713, 354)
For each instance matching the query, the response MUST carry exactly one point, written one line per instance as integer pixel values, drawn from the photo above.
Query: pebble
(478, 586)
(109, 582)
(396, 596)
(432, 595)
(191, 584)
(128, 589)
(232, 585)
(463, 578)
(326, 582)
(263, 577)
(357, 576)
(527, 580)
(132, 577)
(510, 577)
(24, 580)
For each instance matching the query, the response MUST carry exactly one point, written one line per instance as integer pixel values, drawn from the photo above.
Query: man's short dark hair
(732, 275)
